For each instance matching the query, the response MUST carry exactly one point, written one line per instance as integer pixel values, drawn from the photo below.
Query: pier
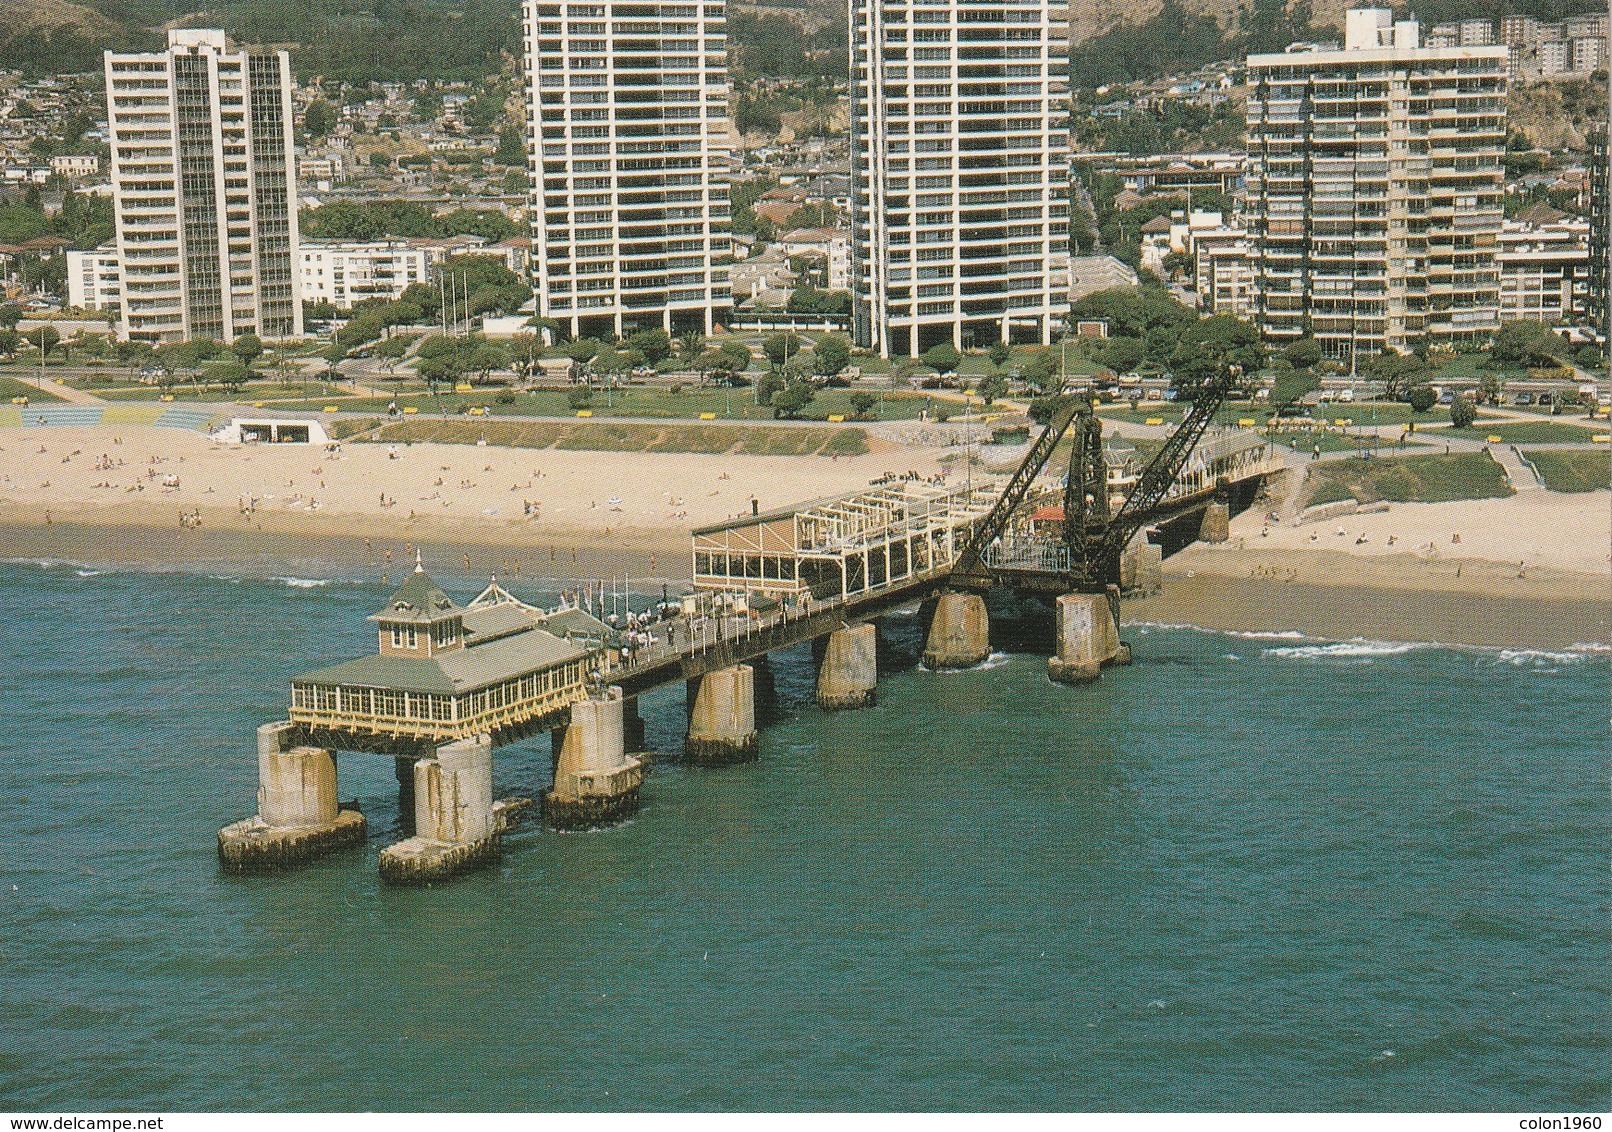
(449, 684)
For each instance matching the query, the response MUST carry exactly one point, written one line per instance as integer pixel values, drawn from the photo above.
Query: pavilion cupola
(419, 619)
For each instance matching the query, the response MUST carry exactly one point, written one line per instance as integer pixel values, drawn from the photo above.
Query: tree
(1489, 389)
(792, 400)
(1524, 342)
(709, 361)
(1037, 370)
(44, 339)
(9, 341)
(579, 397)
(610, 361)
(768, 387)
(1422, 398)
(441, 370)
(1122, 355)
(691, 345)
(484, 357)
(1042, 409)
(247, 349)
(1206, 348)
(582, 350)
(525, 348)
(831, 354)
(781, 347)
(999, 353)
(1588, 356)
(1303, 354)
(10, 315)
(1293, 385)
(862, 402)
(511, 147)
(736, 356)
(318, 120)
(1133, 311)
(992, 387)
(1463, 412)
(655, 345)
(942, 358)
(232, 376)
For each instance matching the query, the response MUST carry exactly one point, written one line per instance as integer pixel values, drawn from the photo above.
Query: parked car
(1523, 399)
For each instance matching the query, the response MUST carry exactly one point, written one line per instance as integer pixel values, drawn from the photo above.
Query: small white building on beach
(272, 430)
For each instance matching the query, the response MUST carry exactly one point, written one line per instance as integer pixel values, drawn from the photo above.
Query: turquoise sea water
(1242, 874)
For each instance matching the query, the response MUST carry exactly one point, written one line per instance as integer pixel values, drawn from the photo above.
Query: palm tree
(693, 344)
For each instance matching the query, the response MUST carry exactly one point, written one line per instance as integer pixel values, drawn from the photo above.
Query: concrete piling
(455, 827)
(765, 686)
(1216, 525)
(1088, 638)
(595, 780)
(849, 676)
(632, 726)
(959, 632)
(298, 818)
(1141, 568)
(403, 765)
(722, 717)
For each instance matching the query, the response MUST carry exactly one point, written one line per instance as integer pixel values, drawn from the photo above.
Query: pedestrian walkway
(1518, 471)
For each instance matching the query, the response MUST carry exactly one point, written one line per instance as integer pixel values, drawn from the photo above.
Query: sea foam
(1355, 650)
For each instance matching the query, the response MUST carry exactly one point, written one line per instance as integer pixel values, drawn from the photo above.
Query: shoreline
(1322, 594)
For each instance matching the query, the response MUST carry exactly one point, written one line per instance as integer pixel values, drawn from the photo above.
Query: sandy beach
(1532, 570)
(117, 495)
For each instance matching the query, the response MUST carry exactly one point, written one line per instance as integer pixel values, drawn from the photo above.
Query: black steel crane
(1094, 538)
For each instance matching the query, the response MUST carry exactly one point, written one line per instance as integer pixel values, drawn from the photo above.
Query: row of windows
(386, 703)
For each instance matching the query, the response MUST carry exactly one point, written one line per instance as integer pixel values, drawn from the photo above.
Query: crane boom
(970, 568)
(1094, 539)
(1098, 567)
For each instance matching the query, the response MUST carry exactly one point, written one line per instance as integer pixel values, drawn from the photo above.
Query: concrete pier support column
(722, 717)
(595, 780)
(404, 767)
(1216, 525)
(455, 824)
(632, 726)
(298, 818)
(959, 632)
(766, 691)
(1141, 568)
(849, 676)
(1088, 638)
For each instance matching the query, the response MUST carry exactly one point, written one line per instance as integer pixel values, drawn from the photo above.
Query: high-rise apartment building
(959, 171)
(627, 112)
(1374, 189)
(1600, 298)
(204, 190)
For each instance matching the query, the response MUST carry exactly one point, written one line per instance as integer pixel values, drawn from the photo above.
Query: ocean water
(1245, 873)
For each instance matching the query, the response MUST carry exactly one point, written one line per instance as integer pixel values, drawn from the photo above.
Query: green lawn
(657, 403)
(10, 387)
(1386, 413)
(1573, 471)
(1528, 432)
(1409, 479)
(318, 393)
(1305, 440)
(606, 436)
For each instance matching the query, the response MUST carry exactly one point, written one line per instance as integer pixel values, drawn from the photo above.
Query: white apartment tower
(204, 190)
(959, 172)
(627, 113)
(1374, 189)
